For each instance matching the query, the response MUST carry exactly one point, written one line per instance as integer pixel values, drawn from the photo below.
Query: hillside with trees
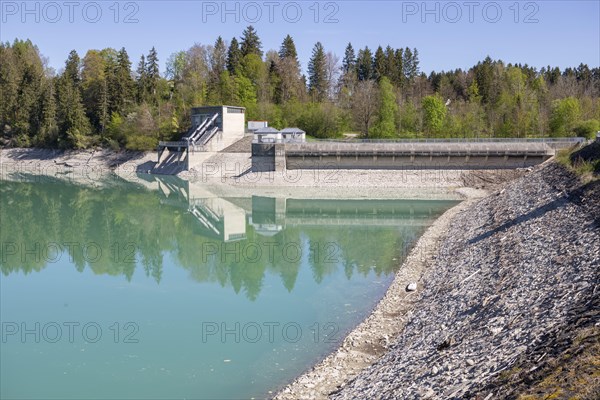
(103, 99)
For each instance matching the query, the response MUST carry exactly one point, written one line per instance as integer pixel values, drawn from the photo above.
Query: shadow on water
(233, 242)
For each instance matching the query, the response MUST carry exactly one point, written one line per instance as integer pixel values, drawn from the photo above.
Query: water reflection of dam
(270, 215)
(216, 216)
(228, 218)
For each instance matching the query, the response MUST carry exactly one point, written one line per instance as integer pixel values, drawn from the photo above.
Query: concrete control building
(227, 122)
(213, 129)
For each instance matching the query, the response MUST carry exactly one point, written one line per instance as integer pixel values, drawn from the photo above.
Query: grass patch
(584, 162)
(574, 374)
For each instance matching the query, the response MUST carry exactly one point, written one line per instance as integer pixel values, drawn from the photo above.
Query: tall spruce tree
(364, 64)
(153, 75)
(288, 49)
(287, 72)
(251, 42)
(398, 77)
(142, 81)
(234, 57)
(122, 91)
(73, 68)
(317, 74)
(73, 125)
(349, 61)
(379, 64)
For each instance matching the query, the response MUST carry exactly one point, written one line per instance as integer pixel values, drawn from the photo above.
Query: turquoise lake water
(126, 292)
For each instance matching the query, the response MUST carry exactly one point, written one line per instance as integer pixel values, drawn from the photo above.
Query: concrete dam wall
(420, 155)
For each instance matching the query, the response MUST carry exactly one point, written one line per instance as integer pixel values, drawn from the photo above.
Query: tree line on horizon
(101, 100)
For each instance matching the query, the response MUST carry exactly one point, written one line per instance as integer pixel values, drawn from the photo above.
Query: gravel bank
(516, 277)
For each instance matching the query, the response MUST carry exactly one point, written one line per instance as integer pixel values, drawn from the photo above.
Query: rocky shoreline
(514, 285)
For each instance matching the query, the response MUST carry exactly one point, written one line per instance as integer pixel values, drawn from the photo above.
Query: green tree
(565, 114)
(234, 57)
(287, 69)
(385, 124)
(390, 64)
(142, 81)
(122, 85)
(151, 77)
(399, 75)
(379, 64)
(22, 82)
(217, 65)
(288, 49)
(251, 42)
(364, 64)
(73, 68)
(349, 61)
(94, 91)
(73, 125)
(434, 113)
(46, 128)
(317, 74)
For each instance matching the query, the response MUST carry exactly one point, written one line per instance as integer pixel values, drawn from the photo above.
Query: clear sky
(447, 34)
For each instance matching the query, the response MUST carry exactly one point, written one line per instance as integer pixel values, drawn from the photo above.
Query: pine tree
(122, 94)
(288, 49)
(73, 124)
(415, 62)
(153, 75)
(379, 64)
(349, 61)
(73, 67)
(234, 56)
(364, 64)
(217, 65)
(142, 81)
(390, 64)
(286, 72)
(317, 73)
(219, 57)
(250, 42)
(399, 75)
(47, 128)
(407, 62)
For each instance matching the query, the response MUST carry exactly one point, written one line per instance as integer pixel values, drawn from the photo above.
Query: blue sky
(448, 35)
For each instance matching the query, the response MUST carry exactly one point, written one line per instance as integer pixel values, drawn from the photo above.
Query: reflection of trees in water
(133, 229)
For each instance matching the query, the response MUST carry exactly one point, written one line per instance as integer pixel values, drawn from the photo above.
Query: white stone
(411, 287)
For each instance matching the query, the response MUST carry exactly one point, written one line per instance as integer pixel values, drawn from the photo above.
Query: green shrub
(587, 129)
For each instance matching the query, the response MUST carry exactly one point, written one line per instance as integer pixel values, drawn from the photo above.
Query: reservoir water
(164, 290)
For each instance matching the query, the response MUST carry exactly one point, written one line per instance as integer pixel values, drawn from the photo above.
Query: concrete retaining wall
(416, 155)
(415, 162)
